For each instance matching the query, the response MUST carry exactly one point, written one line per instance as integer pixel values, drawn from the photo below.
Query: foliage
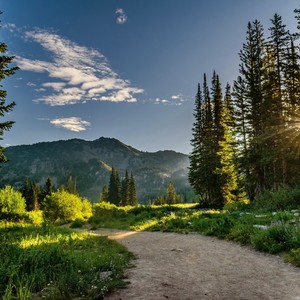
(11, 202)
(121, 193)
(212, 171)
(271, 232)
(55, 263)
(170, 198)
(35, 217)
(247, 142)
(284, 198)
(5, 71)
(63, 207)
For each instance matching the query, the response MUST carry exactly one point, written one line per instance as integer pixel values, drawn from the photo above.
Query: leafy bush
(276, 239)
(65, 207)
(35, 217)
(237, 205)
(11, 202)
(284, 198)
(294, 257)
(105, 209)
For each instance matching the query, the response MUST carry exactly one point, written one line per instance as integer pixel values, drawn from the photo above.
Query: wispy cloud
(73, 124)
(121, 16)
(76, 74)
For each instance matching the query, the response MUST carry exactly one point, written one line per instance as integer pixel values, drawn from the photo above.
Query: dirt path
(177, 266)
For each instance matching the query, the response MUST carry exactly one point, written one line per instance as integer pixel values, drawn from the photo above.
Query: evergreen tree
(197, 144)
(114, 188)
(252, 80)
(25, 191)
(125, 196)
(171, 196)
(48, 187)
(5, 71)
(34, 193)
(104, 194)
(133, 199)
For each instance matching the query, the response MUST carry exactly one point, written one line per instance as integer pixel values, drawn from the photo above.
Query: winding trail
(181, 267)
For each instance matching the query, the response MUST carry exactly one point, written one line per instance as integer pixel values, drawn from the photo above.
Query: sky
(125, 69)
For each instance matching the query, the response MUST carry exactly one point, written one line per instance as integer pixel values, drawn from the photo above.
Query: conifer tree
(104, 194)
(5, 71)
(171, 196)
(133, 199)
(114, 188)
(252, 78)
(125, 196)
(34, 193)
(197, 144)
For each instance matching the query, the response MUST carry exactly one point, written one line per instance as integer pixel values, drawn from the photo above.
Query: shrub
(284, 198)
(294, 257)
(11, 202)
(35, 217)
(233, 206)
(105, 209)
(276, 239)
(65, 207)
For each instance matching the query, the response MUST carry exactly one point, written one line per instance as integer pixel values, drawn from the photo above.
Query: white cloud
(31, 84)
(57, 86)
(73, 124)
(121, 16)
(73, 66)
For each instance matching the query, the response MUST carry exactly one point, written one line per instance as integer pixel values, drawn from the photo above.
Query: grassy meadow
(44, 262)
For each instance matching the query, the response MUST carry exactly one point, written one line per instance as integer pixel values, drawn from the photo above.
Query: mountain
(90, 163)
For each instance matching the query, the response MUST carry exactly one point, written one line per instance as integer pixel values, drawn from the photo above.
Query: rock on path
(181, 267)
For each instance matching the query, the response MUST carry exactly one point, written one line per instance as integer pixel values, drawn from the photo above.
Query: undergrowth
(272, 232)
(55, 263)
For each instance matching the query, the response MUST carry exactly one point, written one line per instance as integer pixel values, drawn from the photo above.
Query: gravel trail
(181, 267)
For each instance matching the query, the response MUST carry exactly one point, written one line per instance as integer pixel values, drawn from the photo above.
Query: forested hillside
(90, 163)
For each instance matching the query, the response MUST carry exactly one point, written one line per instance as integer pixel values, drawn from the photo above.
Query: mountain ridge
(89, 162)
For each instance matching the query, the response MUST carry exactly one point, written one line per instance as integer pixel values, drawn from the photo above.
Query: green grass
(55, 263)
(272, 232)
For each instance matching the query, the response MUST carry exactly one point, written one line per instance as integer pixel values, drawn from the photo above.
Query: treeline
(245, 141)
(171, 197)
(120, 192)
(35, 194)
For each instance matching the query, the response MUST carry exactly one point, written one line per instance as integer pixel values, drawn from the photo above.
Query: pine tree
(35, 193)
(171, 196)
(252, 78)
(48, 187)
(114, 188)
(125, 196)
(133, 199)
(25, 190)
(5, 71)
(104, 194)
(197, 144)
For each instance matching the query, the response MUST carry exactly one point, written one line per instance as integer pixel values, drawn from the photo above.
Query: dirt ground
(178, 266)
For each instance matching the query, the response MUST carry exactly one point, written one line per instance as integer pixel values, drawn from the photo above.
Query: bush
(284, 198)
(11, 202)
(276, 239)
(294, 257)
(35, 217)
(65, 207)
(233, 206)
(105, 209)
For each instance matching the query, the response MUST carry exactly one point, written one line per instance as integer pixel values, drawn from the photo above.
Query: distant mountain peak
(90, 162)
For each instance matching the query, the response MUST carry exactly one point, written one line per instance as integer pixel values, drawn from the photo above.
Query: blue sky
(124, 69)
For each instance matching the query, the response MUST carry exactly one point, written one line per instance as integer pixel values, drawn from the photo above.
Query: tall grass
(55, 263)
